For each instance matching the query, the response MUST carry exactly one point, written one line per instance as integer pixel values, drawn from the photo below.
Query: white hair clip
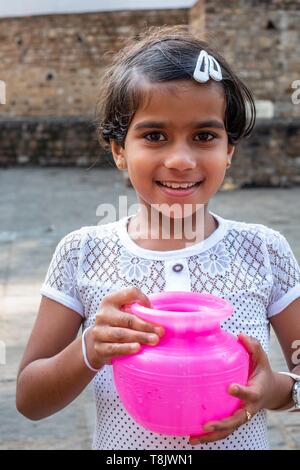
(207, 67)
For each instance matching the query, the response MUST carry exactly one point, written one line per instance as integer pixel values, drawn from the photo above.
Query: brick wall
(270, 157)
(52, 64)
(261, 39)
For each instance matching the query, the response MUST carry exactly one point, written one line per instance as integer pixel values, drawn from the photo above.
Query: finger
(111, 350)
(255, 350)
(211, 437)
(126, 296)
(227, 424)
(108, 334)
(112, 303)
(118, 318)
(244, 393)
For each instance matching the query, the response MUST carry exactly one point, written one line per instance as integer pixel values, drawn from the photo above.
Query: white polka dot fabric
(250, 265)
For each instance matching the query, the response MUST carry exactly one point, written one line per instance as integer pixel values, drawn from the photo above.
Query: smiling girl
(172, 111)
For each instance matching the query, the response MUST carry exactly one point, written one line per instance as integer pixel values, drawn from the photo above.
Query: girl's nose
(180, 159)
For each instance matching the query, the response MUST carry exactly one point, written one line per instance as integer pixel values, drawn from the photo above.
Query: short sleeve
(61, 282)
(285, 273)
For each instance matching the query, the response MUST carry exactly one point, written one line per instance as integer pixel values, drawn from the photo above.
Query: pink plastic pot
(180, 384)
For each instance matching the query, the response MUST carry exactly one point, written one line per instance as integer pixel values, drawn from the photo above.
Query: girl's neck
(174, 236)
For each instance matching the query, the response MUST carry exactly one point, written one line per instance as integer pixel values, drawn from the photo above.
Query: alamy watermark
(2, 353)
(296, 354)
(2, 92)
(162, 221)
(296, 94)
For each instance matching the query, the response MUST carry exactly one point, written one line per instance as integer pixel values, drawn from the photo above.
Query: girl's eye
(205, 136)
(159, 137)
(154, 137)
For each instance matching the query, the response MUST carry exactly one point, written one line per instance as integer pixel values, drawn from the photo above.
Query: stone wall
(270, 157)
(50, 141)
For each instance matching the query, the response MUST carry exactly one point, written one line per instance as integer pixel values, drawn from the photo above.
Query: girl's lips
(178, 192)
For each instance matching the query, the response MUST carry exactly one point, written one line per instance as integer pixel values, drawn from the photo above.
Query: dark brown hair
(163, 54)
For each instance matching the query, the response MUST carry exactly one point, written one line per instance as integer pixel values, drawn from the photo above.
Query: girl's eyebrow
(195, 125)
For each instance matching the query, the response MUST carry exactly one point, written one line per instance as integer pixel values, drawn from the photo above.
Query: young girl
(172, 111)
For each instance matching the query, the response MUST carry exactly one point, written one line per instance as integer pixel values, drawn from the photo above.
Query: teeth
(177, 185)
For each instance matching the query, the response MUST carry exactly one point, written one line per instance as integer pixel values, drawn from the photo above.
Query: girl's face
(177, 136)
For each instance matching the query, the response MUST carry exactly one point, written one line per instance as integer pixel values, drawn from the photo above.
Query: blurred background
(53, 173)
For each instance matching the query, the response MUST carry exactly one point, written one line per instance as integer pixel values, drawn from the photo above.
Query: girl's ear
(118, 153)
(230, 152)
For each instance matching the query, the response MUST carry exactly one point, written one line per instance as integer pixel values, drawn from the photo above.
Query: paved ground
(37, 208)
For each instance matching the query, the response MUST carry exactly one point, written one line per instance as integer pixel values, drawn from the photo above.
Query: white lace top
(250, 265)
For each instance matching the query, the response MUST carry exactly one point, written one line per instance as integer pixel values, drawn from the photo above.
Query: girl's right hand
(117, 332)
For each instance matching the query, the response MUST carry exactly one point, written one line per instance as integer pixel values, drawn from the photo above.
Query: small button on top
(178, 267)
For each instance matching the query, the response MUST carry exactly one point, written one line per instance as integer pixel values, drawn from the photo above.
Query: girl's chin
(179, 215)
(179, 210)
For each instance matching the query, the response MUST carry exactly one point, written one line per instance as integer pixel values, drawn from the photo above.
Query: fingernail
(159, 331)
(235, 389)
(153, 339)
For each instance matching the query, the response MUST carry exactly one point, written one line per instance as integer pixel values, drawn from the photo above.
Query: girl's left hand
(255, 396)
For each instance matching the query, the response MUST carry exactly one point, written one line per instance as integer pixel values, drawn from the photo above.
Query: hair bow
(207, 67)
